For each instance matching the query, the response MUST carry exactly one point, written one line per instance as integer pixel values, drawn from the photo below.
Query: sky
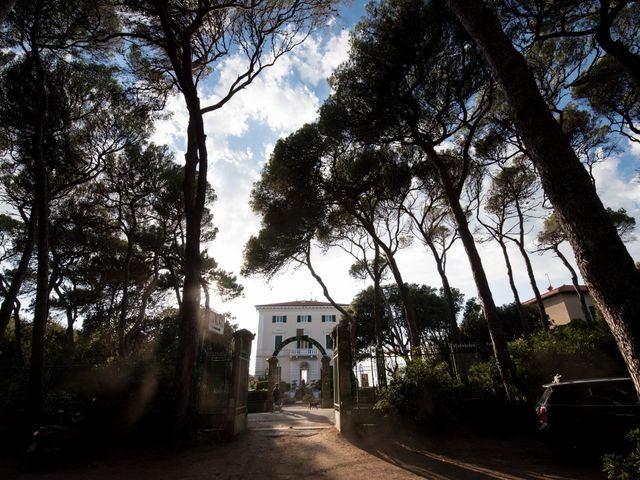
(241, 136)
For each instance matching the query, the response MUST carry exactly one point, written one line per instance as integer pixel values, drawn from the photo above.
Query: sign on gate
(215, 322)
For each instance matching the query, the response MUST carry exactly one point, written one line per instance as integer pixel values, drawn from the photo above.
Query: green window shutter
(273, 319)
(298, 318)
(278, 340)
(328, 342)
(284, 319)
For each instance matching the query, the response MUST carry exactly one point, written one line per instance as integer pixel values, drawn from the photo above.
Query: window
(302, 343)
(364, 380)
(328, 342)
(304, 318)
(329, 318)
(278, 340)
(279, 319)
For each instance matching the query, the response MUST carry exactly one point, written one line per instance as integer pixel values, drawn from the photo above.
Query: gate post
(239, 388)
(273, 378)
(326, 383)
(342, 397)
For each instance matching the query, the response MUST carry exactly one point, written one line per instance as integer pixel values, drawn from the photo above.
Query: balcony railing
(304, 352)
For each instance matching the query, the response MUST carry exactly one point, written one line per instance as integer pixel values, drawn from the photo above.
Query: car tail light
(542, 416)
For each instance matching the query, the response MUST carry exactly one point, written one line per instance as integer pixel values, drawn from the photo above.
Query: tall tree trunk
(194, 190)
(377, 318)
(489, 310)
(407, 303)
(454, 331)
(174, 281)
(609, 271)
(516, 296)
(69, 340)
(144, 302)
(403, 291)
(41, 196)
(542, 314)
(123, 349)
(17, 333)
(20, 273)
(574, 280)
(325, 291)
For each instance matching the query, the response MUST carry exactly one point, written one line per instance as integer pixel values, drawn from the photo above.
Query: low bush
(422, 392)
(573, 351)
(624, 467)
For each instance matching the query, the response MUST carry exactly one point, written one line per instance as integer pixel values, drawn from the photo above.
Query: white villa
(299, 360)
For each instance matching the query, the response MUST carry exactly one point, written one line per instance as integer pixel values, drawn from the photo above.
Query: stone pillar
(327, 394)
(343, 398)
(273, 378)
(239, 387)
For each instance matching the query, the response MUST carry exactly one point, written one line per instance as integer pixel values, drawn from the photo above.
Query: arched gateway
(327, 397)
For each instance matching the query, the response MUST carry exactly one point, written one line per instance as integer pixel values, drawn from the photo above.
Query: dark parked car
(588, 414)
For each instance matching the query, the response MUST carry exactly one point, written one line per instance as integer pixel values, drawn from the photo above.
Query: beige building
(298, 360)
(562, 304)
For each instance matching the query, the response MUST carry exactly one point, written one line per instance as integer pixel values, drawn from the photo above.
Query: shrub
(262, 385)
(421, 392)
(484, 377)
(573, 351)
(624, 467)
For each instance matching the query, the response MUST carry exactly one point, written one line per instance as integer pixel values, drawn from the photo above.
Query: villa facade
(297, 361)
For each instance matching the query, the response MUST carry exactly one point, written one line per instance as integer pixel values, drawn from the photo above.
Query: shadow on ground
(302, 443)
(465, 456)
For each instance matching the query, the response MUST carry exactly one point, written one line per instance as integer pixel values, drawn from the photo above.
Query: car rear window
(604, 393)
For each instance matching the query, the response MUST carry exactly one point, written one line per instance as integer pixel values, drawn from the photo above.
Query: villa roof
(300, 303)
(558, 291)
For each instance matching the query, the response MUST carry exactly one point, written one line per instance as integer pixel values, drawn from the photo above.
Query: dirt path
(302, 443)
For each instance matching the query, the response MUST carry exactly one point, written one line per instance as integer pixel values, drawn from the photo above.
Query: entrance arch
(302, 338)
(273, 369)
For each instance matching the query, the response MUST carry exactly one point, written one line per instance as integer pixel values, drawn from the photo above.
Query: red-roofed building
(562, 304)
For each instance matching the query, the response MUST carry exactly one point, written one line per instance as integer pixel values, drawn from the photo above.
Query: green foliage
(430, 306)
(623, 222)
(573, 351)
(624, 467)
(474, 329)
(484, 376)
(262, 385)
(422, 392)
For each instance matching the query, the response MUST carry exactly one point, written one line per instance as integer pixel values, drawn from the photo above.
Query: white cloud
(317, 59)
(614, 190)
(172, 131)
